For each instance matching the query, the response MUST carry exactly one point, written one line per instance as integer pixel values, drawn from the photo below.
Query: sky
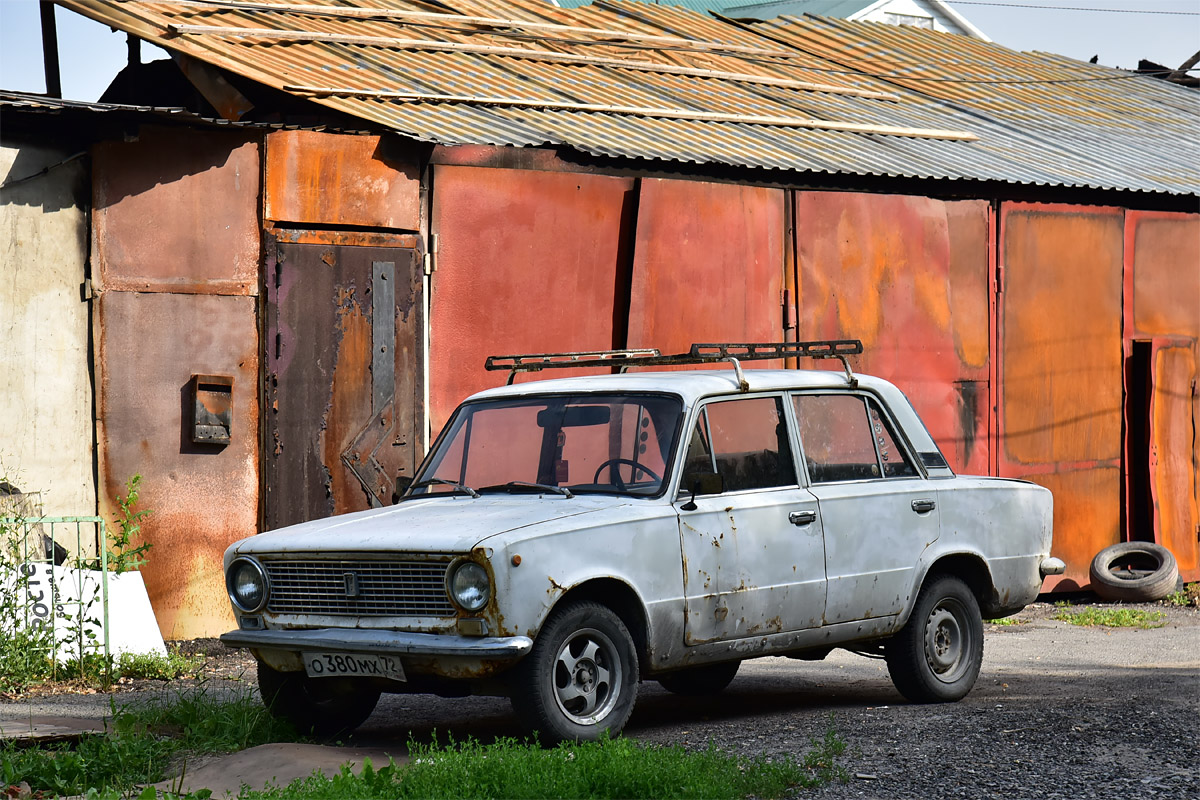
(1120, 32)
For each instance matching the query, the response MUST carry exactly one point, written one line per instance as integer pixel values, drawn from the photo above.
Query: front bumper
(378, 642)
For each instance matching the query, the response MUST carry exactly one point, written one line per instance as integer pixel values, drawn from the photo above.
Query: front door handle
(802, 517)
(921, 506)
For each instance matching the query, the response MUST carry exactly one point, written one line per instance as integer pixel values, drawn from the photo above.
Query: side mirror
(699, 483)
(402, 484)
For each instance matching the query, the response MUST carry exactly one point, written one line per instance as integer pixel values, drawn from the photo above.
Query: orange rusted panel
(1172, 452)
(177, 211)
(1166, 273)
(340, 238)
(321, 179)
(1086, 514)
(203, 496)
(527, 262)
(1060, 398)
(908, 276)
(708, 265)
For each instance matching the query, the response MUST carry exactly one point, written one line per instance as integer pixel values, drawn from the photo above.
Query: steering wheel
(620, 484)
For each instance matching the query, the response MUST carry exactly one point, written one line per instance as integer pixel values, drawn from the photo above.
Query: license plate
(325, 665)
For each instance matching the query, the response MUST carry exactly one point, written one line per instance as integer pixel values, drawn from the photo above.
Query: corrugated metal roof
(634, 80)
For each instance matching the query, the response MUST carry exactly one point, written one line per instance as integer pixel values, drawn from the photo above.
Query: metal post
(50, 50)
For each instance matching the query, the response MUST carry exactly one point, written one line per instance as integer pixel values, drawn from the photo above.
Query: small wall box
(212, 409)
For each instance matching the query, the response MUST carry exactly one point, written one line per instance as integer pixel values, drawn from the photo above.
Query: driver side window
(744, 441)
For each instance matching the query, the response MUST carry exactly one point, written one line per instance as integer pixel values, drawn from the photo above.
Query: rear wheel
(322, 706)
(936, 656)
(700, 681)
(580, 679)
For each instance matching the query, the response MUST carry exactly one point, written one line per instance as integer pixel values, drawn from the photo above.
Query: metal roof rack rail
(706, 353)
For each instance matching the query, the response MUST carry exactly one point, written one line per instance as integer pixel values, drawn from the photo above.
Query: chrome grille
(384, 588)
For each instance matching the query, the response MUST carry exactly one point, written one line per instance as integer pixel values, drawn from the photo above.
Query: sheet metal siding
(1060, 311)
(339, 427)
(202, 497)
(175, 226)
(908, 276)
(526, 260)
(165, 204)
(1162, 263)
(707, 266)
(1091, 131)
(328, 179)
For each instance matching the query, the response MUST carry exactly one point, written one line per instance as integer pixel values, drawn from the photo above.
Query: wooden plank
(519, 52)
(639, 111)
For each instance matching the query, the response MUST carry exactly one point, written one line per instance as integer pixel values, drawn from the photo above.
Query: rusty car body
(567, 538)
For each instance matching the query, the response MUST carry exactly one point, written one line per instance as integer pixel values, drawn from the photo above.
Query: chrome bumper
(1052, 566)
(355, 640)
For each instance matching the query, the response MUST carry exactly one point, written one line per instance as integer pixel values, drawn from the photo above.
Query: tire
(935, 658)
(580, 679)
(1135, 572)
(700, 681)
(324, 707)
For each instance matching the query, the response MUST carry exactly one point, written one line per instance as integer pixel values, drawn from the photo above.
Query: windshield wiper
(512, 486)
(443, 482)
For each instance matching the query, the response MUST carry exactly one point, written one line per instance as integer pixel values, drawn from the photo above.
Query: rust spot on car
(555, 586)
(721, 613)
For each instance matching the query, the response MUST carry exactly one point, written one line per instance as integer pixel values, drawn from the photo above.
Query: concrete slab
(278, 764)
(43, 730)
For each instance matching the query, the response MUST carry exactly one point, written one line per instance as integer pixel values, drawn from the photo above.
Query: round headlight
(247, 585)
(469, 586)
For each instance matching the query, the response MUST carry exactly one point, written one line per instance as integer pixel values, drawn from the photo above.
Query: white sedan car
(566, 539)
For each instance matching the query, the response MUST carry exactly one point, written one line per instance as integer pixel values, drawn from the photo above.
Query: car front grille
(359, 588)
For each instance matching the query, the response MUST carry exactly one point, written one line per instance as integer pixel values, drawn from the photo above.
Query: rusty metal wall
(343, 383)
(708, 265)
(176, 248)
(321, 179)
(527, 262)
(909, 277)
(177, 211)
(1162, 287)
(1060, 369)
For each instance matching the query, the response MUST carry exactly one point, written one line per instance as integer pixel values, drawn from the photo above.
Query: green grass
(142, 743)
(1112, 617)
(1004, 621)
(610, 768)
(152, 666)
(1189, 595)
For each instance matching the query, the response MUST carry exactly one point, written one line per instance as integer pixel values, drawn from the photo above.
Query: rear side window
(847, 438)
(745, 441)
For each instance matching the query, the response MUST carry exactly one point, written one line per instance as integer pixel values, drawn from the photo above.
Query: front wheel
(580, 678)
(935, 658)
(323, 706)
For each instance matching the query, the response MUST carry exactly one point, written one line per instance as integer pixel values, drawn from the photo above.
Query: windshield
(566, 444)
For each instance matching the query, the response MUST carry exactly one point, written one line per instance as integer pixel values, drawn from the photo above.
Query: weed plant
(142, 742)
(609, 768)
(1113, 617)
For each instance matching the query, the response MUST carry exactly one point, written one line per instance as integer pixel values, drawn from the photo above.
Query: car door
(753, 557)
(877, 511)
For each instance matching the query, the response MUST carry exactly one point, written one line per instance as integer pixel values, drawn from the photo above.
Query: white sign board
(70, 600)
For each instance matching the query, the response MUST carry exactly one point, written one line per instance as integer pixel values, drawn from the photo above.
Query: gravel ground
(1059, 711)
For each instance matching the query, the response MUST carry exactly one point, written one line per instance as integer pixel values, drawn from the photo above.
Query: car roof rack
(704, 353)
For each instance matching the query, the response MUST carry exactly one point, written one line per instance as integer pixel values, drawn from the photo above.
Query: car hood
(446, 524)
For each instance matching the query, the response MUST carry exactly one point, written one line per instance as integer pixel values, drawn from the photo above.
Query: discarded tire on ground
(1138, 572)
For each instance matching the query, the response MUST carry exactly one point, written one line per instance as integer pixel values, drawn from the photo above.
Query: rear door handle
(802, 517)
(921, 506)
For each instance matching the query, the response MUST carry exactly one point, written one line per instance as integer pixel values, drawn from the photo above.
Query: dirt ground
(1059, 711)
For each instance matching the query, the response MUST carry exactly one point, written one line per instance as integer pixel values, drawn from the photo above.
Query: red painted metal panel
(1172, 450)
(1162, 290)
(341, 423)
(177, 211)
(320, 179)
(1060, 402)
(708, 265)
(203, 497)
(527, 262)
(908, 276)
